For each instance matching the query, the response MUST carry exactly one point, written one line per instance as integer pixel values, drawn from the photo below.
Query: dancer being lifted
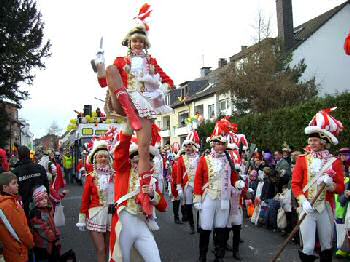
(137, 85)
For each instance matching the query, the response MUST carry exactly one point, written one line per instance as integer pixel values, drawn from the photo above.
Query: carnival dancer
(312, 170)
(130, 226)
(175, 198)
(186, 171)
(137, 85)
(97, 199)
(212, 188)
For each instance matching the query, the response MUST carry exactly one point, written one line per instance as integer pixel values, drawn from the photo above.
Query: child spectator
(46, 235)
(14, 231)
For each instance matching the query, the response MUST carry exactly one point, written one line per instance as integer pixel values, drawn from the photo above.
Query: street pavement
(174, 241)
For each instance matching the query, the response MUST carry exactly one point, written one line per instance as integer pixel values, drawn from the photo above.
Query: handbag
(281, 219)
(255, 215)
(59, 217)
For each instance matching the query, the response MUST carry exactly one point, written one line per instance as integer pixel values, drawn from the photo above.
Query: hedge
(269, 130)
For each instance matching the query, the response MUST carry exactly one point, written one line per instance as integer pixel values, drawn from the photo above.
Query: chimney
(285, 23)
(222, 62)
(244, 47)
(205, 71)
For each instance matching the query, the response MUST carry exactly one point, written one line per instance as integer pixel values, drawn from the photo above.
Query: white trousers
(136, 232)
(322, 222)
(211, 214)
(189, 195)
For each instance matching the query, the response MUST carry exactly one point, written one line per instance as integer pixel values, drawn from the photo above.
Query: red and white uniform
(142, 76)
(306, 169)
(212, 187)
(129, 227)
(174, 192)
(97, 195)
(186, 171)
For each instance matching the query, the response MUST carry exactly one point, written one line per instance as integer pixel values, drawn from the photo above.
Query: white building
(26, 137)
(320, 42)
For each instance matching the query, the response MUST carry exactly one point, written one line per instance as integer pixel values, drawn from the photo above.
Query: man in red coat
(186, 170)
(312, 170)
(175, 196)
(130, 226)
(212, 189)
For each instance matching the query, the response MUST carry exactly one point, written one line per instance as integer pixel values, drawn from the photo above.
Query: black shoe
(237, 256)
(177, 221)
(192, 230)
(229, 248)
(202, 259)
(307, 258)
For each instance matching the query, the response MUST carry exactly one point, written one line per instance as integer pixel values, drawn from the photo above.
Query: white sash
(320, 173)
(9, 226)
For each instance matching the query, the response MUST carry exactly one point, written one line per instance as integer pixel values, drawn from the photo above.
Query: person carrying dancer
(130, 226)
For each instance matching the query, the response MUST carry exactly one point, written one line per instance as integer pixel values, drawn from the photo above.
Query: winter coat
(15, 251)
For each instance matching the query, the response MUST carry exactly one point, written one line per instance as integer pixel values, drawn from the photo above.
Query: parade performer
(238, 194)
(137, 85)
(97, 199)
(312, 170)
(186, 171)
(130, 226)
(212, 189)
(175, 196)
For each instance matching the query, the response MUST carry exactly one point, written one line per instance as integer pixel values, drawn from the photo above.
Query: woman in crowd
(97, 199)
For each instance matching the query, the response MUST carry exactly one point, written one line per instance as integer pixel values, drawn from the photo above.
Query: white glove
(165, 88)
(251, 190)
(328, 180)
(325, 179)
(81, 226)
(152, 79)
(239, 184)
(180, 192)
(307, 207)
(100, 59)
(198, 205)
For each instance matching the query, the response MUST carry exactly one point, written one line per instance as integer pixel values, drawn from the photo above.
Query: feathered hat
(221, 131)
(140, 29)
(98, 145)
(192, 139)
(325, 126)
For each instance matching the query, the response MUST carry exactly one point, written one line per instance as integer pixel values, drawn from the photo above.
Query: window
(211, 111)
(198, 109)
(182, 118)
(166, 123)
(183, 92)
(167, 100)
(182, 139)
(223, 104)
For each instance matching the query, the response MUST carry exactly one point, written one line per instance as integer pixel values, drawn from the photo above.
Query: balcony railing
(164, 133)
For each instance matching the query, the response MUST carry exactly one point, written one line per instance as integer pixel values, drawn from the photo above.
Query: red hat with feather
(325, 126)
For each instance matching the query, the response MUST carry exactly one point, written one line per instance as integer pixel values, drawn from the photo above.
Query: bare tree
(262, 27)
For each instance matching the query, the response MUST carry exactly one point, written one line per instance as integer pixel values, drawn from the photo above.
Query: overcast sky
(184, 34)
